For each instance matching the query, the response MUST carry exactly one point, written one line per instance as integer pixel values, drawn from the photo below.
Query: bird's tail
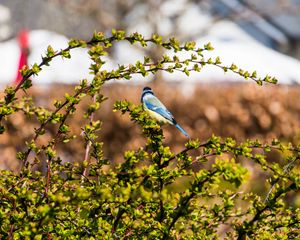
(182, 130)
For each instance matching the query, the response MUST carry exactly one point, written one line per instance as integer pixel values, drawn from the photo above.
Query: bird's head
(146, 90)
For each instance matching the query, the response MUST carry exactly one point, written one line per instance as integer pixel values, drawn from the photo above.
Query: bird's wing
(153, 104)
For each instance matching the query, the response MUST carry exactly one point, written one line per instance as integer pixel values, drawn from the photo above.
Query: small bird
(157, 110)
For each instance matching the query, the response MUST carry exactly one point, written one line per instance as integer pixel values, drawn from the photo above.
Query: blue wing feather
(162, 110)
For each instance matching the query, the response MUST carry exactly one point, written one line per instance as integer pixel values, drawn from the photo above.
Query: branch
(184, 202)
(87, 158)
(286, 170)
(245, 230)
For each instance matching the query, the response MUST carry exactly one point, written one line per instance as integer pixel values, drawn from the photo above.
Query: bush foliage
(154, 193)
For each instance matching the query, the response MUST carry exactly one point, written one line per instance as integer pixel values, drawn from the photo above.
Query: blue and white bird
(157, 110)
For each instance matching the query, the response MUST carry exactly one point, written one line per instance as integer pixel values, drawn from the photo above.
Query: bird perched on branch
(157, 110)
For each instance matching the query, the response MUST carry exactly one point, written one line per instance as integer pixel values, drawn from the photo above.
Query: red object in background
(24, 49)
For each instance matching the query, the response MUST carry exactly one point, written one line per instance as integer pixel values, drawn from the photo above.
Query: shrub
(154, 193)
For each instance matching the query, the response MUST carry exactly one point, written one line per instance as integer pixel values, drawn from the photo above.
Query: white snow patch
(233, 45)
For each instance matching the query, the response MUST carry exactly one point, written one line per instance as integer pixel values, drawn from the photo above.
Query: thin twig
(87, 157)
(285, 171)
(44, 124)
(48, 179)
(12, 226)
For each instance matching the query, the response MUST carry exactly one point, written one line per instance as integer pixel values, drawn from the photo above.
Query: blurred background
(261, 35)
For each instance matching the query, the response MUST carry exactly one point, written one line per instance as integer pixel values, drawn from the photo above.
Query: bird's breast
(157, 116)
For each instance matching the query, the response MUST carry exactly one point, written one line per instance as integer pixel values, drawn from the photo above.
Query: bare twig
(48, 178)
(285, 171)
(87, 157)
(12, 226)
